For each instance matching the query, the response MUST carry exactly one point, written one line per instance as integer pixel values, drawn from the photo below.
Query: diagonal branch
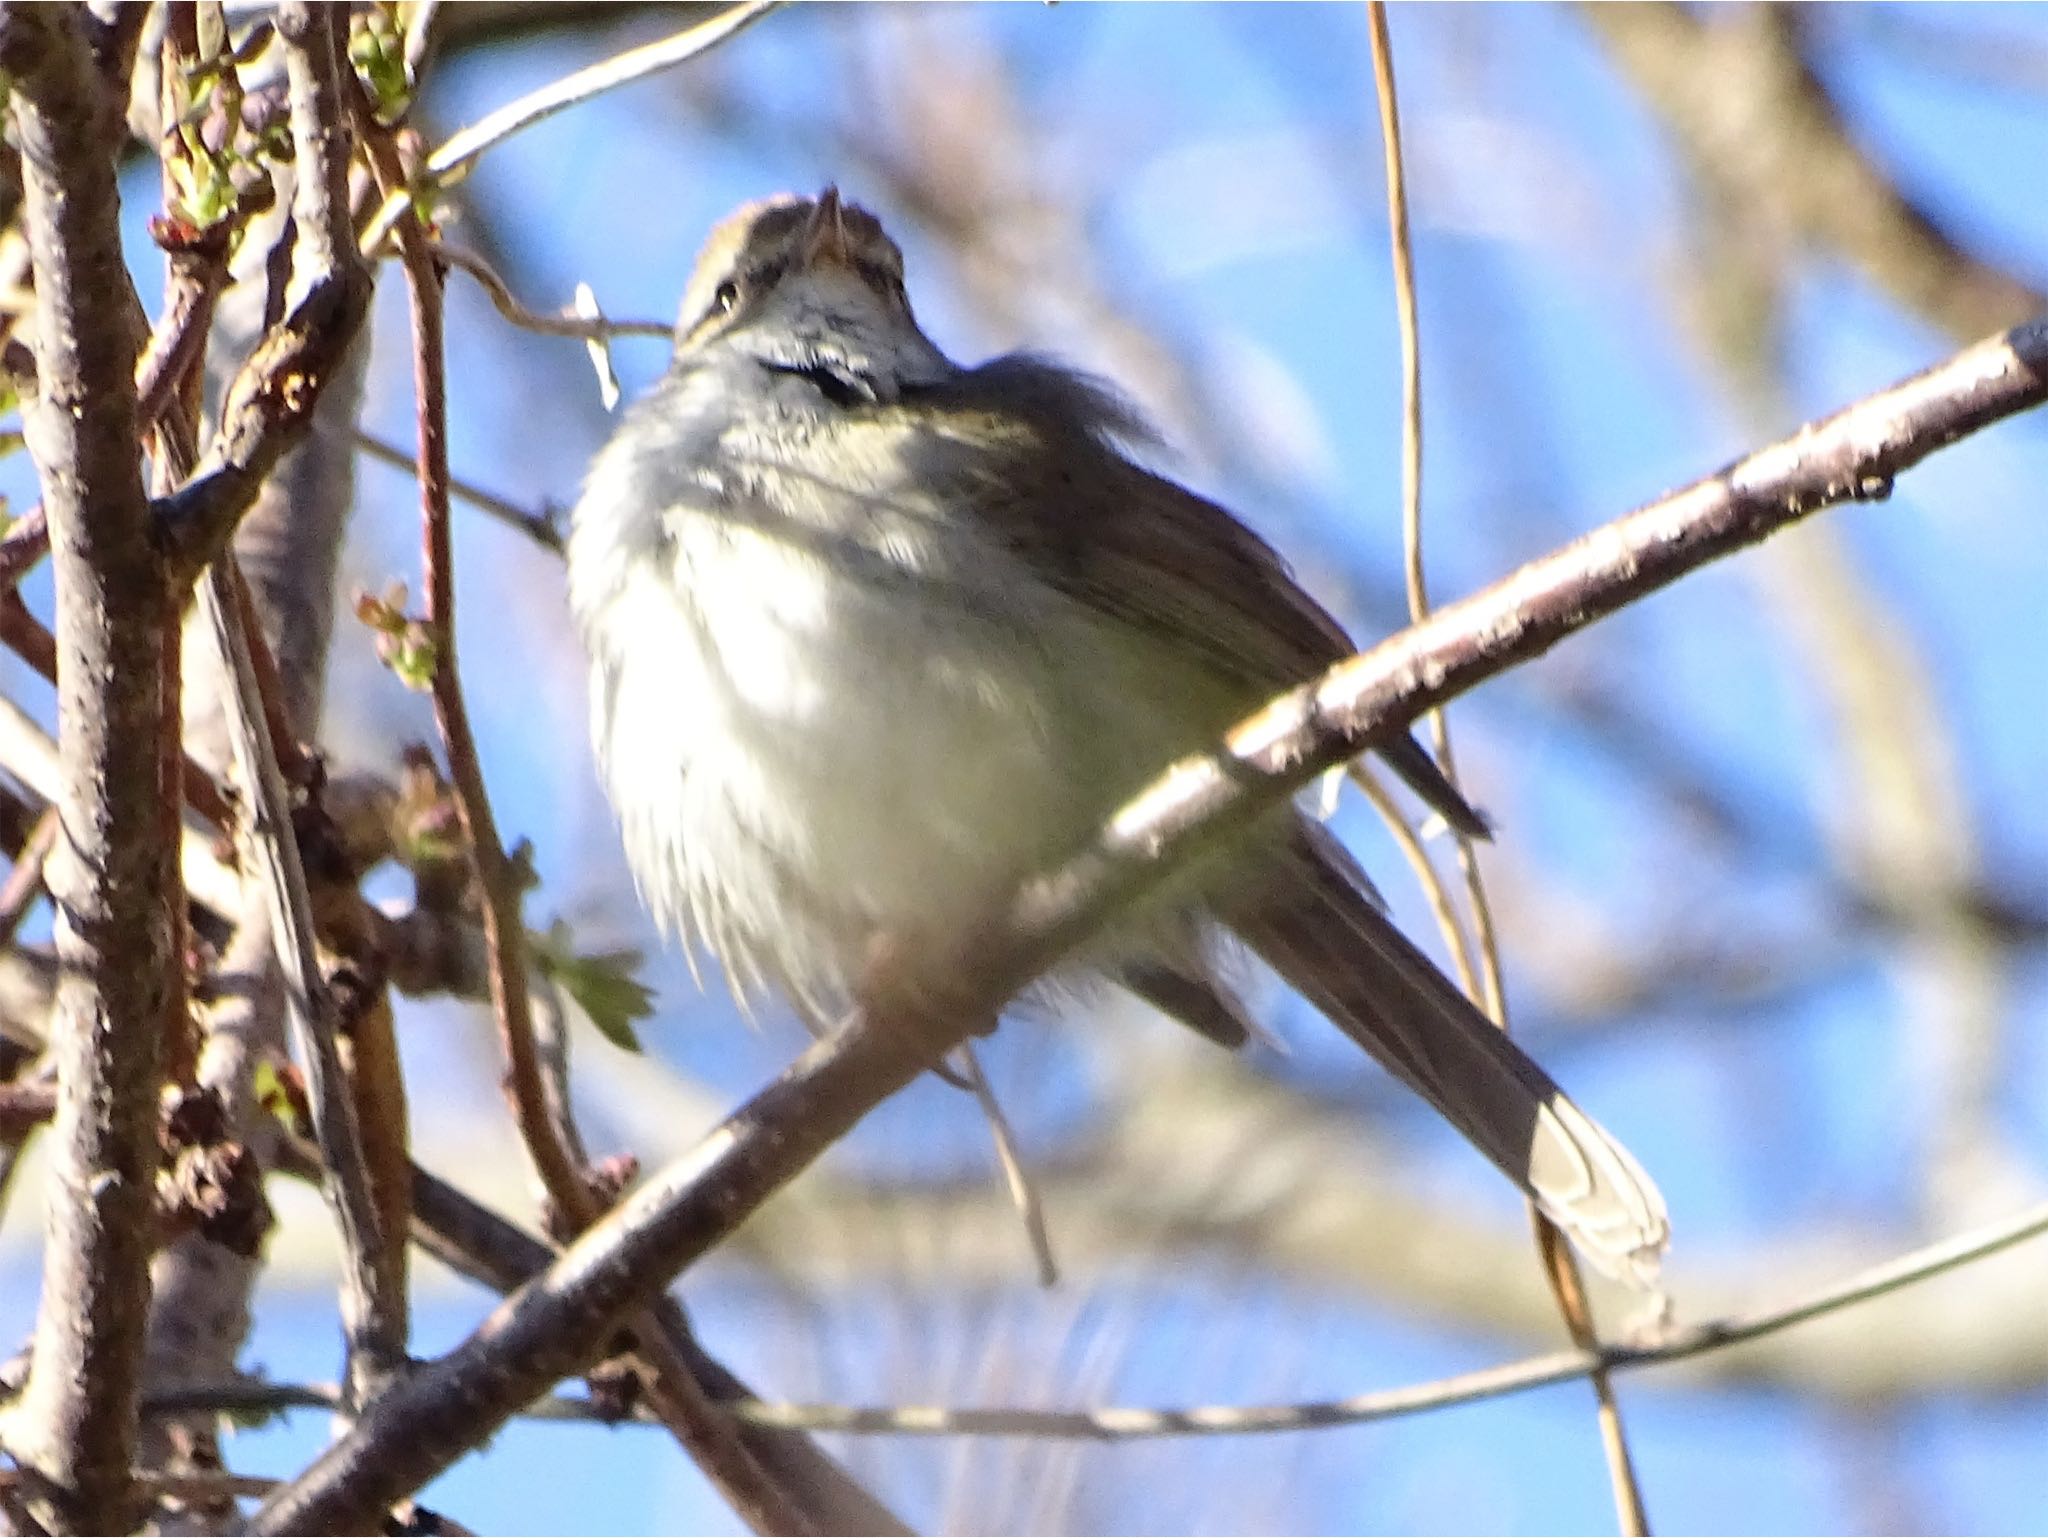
(373, 1305)
(477, 1242)
(562, 1320)
(115, 874)
(1737, 92)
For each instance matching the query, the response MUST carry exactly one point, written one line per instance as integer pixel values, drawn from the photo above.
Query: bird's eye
(727, 298)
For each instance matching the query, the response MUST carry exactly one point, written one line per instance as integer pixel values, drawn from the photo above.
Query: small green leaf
(414, 657)
(602, 984)
(376, 48)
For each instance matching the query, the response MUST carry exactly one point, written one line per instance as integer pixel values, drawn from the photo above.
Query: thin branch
(23, 546)
(25, 1106)
(475, 1241)
(316, 41)
(584, 328)
(1735, 89)
(24, 882)
(30, 754)
(1559, 1264)
(372, 1301)
(497, 881)
(1016, 1175)
(121, 977)
(562, 1320)
(1134, 1423)
(453, 159)
(1409, 842)
(30, 639)
(174, 346)
(178, 341)
(212, 1485)
(544, 527)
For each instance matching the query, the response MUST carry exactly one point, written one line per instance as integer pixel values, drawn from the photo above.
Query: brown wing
(1135, 546)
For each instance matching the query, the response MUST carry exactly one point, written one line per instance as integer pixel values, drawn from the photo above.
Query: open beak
(825, 236)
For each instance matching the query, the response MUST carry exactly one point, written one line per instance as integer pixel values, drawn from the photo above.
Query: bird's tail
(1317, 923)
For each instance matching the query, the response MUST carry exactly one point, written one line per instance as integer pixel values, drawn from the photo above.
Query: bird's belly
(804, 762)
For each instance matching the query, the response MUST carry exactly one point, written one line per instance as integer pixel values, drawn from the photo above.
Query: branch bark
(115, 874)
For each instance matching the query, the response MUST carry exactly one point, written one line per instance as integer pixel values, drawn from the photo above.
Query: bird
(875, 638)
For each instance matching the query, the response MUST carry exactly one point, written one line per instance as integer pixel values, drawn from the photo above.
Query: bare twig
(1558, 1261)
(453, 159)
(121, 981)
(1146, 1423)
(562, 1320)
(30, 639)
(178, 340)
(565, 323)
(1016, 1176)
(1409, 842)
(25, 881)
(24, 1107)
(1132, 1424)
(497, 881)
(29, 753)
(23, 546)
(174, 345)
(543, 527)
(212, 1485)
(372, 1301)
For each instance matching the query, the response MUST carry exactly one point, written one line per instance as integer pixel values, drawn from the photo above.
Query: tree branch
(685, 1408)
(472, 1239)
(115, 874)
(1560, 1265)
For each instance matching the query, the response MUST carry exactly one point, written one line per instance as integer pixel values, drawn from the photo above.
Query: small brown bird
(876, 638)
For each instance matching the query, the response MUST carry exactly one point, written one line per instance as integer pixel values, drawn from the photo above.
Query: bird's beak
(825, 236)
